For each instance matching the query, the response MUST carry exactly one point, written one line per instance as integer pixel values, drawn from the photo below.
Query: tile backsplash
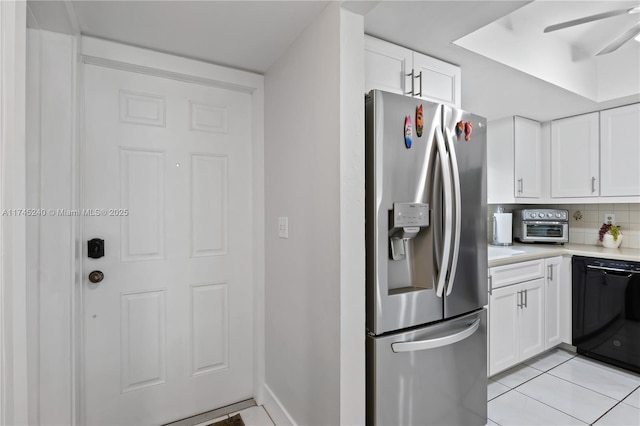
(584, 226)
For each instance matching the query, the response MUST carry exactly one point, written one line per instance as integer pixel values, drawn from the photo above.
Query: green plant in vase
(606, 230)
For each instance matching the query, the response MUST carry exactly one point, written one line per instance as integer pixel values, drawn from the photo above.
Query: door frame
(92, 51)
(13, 299)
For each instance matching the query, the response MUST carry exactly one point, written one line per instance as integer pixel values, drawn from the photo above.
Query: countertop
(504, 255)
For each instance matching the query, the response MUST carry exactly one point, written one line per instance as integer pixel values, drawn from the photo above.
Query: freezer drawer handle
(436, 343)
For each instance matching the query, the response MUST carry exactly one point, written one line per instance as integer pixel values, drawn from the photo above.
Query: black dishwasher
(606, 310)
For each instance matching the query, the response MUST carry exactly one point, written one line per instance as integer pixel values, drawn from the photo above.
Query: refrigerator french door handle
(437, 342)
(457, 208)
(448, 206)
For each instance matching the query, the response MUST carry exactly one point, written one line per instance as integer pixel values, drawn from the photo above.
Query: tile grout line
(617, 402)
(593, 390)
(268, 415)
(493, 421)
(508, 390)
(526, 381)
(555, 366)
(552, 407)
(606, 412)
(628, 395)
(538, 375)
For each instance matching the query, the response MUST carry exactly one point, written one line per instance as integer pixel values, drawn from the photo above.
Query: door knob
(96, 276)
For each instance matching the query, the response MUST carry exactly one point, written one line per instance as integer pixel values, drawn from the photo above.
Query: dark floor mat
(231, 421)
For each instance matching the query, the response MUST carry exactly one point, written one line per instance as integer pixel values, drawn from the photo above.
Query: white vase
(608, 242)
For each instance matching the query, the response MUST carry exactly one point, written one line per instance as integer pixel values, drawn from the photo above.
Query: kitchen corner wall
(314, 175)
(302, 172)
(585, 221)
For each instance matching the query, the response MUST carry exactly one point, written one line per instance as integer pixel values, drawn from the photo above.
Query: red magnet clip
(419, 121)
(468, 128)
(459, 129)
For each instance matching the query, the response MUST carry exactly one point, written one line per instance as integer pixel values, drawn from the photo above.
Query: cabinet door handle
(519, 304)
(490, 285)
(593, 184)
(550, 272)
(412, 85)
(420, 77)
(520, 185)
(526, 298)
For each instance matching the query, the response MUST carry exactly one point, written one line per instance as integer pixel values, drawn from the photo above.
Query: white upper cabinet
(386, 66)
(620, 151)
(436, 80)
(528, 158)
(514, 160)
(500, 158)
(574, 156)
(395, 69)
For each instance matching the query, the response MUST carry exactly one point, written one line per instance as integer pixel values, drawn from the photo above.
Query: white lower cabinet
(531, 318)
(552, 302)
(525, 311)
(503, 329)
(516, 324)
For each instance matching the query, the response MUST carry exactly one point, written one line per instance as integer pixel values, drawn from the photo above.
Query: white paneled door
(168, 332)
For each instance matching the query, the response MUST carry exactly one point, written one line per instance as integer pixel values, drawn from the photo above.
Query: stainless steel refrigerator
(426, 230)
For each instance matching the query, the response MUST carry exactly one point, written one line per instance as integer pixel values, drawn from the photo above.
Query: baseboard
(567, 347)
(276, 410)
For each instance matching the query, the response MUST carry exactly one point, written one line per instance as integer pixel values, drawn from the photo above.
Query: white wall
(314, 170)
(352, 236)
(13, 301)
(51, 89)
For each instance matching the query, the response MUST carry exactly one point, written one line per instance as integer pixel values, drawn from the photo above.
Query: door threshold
(214, 414)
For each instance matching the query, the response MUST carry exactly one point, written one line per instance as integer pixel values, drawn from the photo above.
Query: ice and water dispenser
(407, 220)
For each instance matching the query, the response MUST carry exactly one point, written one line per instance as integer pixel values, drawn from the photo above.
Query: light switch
(283, 227)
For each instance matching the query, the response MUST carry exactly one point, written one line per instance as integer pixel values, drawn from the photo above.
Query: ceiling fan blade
(620, 40)
(584, 20)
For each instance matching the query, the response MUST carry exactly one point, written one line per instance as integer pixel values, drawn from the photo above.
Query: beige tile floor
(560, 388)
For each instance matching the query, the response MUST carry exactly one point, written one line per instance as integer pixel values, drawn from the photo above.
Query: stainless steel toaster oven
(541, 226)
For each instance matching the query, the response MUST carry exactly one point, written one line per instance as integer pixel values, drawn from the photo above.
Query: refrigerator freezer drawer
(436, 375)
